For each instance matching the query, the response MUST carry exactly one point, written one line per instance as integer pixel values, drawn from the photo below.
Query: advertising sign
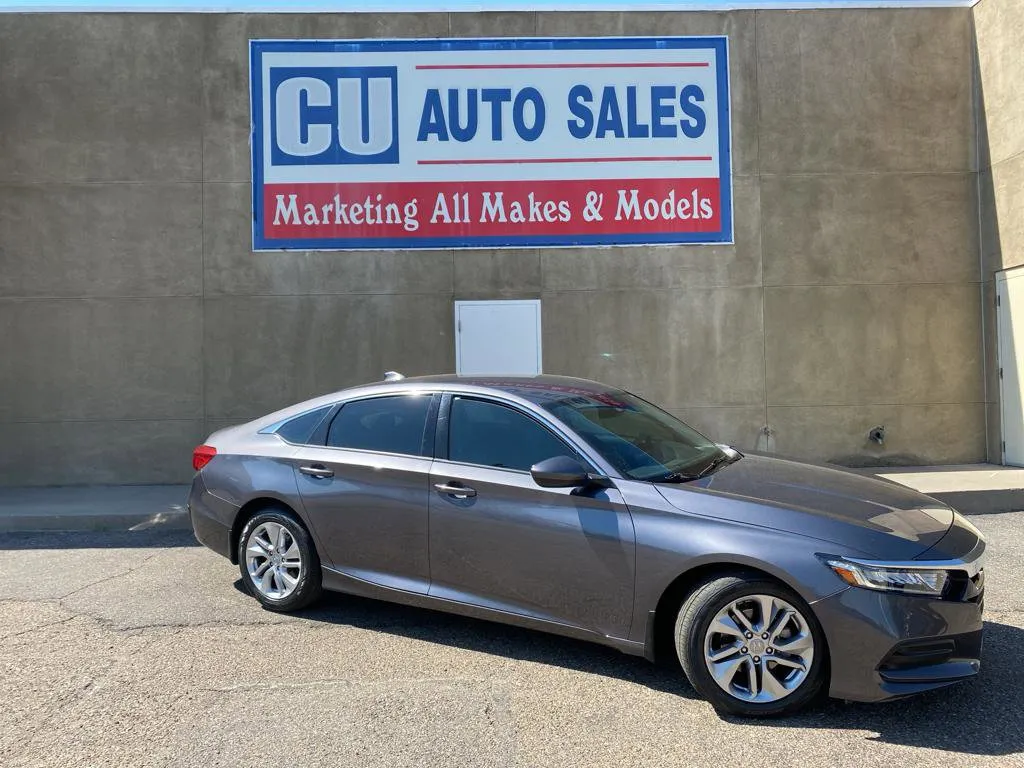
(490, 143)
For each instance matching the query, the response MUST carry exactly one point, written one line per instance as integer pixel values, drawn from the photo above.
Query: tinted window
(496, 436)
(640, 440)
(392, 424)
(299, 429)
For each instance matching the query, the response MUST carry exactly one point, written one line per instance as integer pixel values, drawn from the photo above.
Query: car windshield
(640, 440)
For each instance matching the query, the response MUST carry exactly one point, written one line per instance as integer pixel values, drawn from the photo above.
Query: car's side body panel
(340, 582)
(671, 542)
(371, 515)
(556, 554)
(232, 480)
(238, 479)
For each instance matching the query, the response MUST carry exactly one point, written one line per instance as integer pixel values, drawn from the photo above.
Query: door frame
(440, 511)
(535, 303)
(572, 443)
(1003, 277)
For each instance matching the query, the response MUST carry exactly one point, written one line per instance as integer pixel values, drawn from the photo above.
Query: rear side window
(300, 429)
(393, 424)
(495, 436)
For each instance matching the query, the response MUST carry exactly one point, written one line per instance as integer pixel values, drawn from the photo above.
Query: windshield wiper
(673, 477)
(715, 464)
(685, 477)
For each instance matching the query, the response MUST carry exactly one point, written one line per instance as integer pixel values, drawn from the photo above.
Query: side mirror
(560, 472)
(729, 451)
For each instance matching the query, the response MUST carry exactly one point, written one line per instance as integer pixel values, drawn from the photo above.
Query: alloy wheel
(759, 648)
(273, 560)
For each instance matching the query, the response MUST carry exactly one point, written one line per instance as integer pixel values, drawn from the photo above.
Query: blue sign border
(719, 43)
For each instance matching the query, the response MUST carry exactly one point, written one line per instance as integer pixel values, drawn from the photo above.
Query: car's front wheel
(278, 561)
(751, 647)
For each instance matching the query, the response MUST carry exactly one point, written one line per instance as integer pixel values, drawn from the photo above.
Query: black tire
(694, 619)
(310, 578)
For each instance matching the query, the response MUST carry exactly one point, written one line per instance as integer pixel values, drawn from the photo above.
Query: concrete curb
(94, 508)
(973, 489)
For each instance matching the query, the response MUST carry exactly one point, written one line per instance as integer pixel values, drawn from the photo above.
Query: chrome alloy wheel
(759, 649)
(273, 560)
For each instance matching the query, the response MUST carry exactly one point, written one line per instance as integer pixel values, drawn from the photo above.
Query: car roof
(508, 383)
(534, 390)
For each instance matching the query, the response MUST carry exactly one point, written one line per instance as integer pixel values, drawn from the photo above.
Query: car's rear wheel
(278, 561)
(751, 647)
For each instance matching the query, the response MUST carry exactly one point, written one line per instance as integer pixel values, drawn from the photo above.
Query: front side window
(393, 424)
(640, 440)
(492, 435)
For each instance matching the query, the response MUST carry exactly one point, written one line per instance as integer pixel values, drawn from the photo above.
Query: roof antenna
(393, 376)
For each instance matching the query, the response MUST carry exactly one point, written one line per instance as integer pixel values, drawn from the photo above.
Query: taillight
(201, 456)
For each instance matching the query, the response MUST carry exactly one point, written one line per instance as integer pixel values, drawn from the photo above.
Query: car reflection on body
(576, 508)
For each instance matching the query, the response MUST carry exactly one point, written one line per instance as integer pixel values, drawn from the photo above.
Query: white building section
(1010, 314)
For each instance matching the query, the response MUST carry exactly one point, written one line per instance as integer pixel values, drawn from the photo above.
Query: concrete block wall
(999, 33)
(137, 319)
(851, 296)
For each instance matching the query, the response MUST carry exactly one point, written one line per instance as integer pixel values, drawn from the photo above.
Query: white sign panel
(490, 143)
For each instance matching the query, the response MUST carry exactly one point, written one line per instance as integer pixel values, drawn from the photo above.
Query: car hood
(859, 514)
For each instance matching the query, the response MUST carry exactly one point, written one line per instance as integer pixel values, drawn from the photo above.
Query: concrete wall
(137, 319)
(999, 33)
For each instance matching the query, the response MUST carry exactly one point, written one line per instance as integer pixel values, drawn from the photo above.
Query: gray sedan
(572, 507)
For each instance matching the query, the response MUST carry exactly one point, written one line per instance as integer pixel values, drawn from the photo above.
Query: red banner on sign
(396, 210)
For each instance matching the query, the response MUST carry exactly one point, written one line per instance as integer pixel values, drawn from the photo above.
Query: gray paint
(124, 169)
(385, 541)
(508, 548)
(594, 562)
(860, 628)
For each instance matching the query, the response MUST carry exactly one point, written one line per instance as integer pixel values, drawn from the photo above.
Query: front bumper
(884, 645)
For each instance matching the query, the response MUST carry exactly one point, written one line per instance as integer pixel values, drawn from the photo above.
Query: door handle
(456, 490)
(316, 470)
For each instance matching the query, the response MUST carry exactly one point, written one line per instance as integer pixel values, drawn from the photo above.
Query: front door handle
(316, 470)
(456, 490)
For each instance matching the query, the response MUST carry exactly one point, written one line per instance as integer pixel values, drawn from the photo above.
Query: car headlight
(887, 578)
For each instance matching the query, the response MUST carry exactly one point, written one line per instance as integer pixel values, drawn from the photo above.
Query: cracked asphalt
(133, 649)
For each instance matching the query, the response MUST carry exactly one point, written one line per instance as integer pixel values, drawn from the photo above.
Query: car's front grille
(965, 589)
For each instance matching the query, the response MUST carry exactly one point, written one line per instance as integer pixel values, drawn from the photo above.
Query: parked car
(572, 507)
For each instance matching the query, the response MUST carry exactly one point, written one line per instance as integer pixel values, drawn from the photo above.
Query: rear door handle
(316, 470)
(456, 490)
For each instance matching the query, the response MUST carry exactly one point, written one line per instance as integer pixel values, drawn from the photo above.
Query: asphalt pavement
(138, 648)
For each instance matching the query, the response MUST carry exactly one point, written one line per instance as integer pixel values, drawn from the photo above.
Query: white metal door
(1010, 324)
(497, 337)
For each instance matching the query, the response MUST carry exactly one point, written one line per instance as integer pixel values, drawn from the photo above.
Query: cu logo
(333, 115)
